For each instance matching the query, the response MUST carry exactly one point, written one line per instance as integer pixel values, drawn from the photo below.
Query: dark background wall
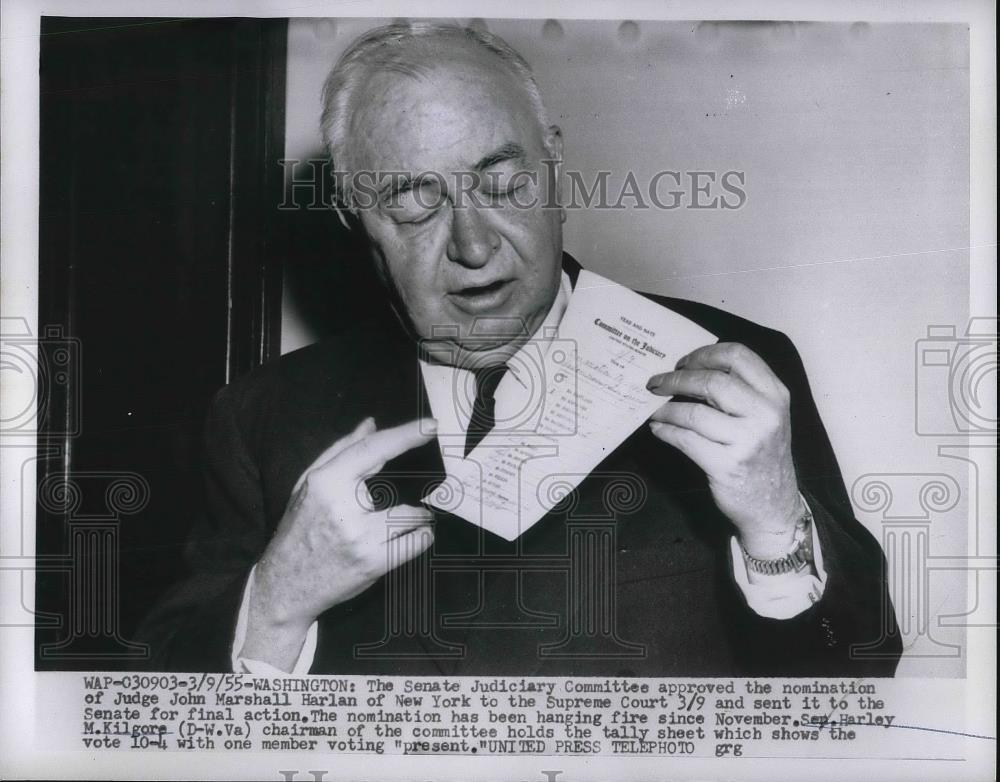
(159, 140)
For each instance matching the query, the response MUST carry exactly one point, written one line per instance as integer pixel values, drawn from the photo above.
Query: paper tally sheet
(586, 393)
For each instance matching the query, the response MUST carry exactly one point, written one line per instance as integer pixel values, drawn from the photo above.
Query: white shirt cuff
(244, 665)
(784, 595)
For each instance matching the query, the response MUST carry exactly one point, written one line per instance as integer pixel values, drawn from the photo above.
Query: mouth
(482, 298)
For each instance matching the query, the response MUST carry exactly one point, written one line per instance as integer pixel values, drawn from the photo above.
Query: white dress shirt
(778, 597)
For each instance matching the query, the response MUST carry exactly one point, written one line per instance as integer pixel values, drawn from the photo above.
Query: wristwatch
(797, 560)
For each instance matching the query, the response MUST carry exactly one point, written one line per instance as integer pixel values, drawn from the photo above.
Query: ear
(553, 141)
(347, 218)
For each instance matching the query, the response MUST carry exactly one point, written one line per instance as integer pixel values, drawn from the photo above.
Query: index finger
(737, 359)
(363, 429)
(367, 456)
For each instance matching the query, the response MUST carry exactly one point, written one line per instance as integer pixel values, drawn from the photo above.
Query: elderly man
(742, 557)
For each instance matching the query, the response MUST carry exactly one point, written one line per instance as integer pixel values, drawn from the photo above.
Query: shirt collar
(451, 390)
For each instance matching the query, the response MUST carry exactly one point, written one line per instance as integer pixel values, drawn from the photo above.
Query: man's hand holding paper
(740, 435)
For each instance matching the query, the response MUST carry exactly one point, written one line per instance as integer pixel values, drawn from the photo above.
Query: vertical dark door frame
(256, 237)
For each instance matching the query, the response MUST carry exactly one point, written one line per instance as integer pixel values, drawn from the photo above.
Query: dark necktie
(484, 408)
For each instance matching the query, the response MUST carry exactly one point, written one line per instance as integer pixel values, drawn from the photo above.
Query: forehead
(460, 107)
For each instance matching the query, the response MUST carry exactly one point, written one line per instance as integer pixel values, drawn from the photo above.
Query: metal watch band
(798, 559)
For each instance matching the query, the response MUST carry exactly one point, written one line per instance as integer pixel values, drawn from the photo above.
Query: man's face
(474, 246)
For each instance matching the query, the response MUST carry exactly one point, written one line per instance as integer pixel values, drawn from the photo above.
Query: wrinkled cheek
(539, 229)
(423, 299)
(411, 270)
(424, 309)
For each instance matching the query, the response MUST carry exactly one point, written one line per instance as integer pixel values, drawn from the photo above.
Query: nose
(472, 241)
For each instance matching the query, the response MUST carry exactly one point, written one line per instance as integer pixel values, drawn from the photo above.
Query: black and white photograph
(527, 392)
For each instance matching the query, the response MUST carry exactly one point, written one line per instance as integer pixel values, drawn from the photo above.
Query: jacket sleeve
(192, 627)
(851, 630)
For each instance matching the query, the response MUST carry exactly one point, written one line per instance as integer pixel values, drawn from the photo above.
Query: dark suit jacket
(631, 575)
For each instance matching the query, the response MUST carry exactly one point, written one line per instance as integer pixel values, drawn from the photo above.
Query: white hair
(386, 49)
